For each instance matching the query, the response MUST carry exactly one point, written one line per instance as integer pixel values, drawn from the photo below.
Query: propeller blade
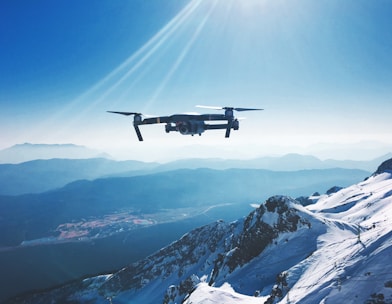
(229, 108)
(245, 109)
(124, 113)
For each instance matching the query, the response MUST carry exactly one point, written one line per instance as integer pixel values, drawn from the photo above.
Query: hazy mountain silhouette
(38, 214)
(27, 151)
(43, 175)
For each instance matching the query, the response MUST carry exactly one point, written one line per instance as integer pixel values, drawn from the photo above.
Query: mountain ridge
(337, 249)
(37, 176)
(173, 189)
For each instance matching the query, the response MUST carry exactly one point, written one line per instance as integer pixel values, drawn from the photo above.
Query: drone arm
(156, 120)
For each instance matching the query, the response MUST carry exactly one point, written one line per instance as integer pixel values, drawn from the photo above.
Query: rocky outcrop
(210, 253)
(386, 166)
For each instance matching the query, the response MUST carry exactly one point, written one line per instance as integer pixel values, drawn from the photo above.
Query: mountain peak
(386, 166)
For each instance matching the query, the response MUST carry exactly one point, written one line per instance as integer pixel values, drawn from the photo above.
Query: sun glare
(251, 4)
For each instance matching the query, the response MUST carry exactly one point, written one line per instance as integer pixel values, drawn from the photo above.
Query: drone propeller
(231, 120)
(137, 120)
(125, 113)
(242, 109)
(228, 108)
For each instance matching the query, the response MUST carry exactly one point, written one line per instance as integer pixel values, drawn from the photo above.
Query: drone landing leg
(138, 133)
(229, 126)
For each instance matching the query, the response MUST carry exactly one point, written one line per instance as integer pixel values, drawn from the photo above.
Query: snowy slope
(205, 294)
(354, 258)
(337, 250)
(352, 261)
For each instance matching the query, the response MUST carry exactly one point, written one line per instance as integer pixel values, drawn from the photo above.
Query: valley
(99, 244)
(92, 228)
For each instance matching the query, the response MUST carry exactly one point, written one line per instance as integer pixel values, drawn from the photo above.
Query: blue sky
(321, 69)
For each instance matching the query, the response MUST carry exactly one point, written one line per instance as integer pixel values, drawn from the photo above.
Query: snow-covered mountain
(337, 250)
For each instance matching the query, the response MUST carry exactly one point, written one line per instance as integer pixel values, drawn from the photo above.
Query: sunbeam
(100, 92)
(182, 55)
(137, 59)
(134, 63)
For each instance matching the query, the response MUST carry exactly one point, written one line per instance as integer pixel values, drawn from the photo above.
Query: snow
(205, 294)
(350, 254)
(270, 218)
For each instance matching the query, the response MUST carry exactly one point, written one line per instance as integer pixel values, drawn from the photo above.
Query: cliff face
(211, 252)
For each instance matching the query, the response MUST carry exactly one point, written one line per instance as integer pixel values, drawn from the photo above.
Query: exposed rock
(219, 249)
(333, 189)
(207, 254)
(386, 166)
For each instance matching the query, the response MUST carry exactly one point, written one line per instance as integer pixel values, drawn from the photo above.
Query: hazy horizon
(365, 151)
(322, 71)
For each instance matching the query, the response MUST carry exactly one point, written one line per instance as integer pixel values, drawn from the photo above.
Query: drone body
(190, 124)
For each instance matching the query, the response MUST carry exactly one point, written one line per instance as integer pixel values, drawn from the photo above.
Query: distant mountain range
(40, 213)
(36, 176)
(336, 250)
(288, 162)
(42, 175)
(25, 152)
